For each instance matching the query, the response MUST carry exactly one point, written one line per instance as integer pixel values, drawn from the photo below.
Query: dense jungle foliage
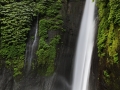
(109, 44)
(16, 17)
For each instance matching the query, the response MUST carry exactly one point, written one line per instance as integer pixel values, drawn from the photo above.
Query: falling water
(31, 46)
(84, 48)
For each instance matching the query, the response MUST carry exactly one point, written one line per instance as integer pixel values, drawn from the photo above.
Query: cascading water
(84, 48)
(32, 45)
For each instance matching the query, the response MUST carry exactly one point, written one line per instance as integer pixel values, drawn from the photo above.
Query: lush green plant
(15, 23)
(16, 18)
(52, 21)
(108, 41)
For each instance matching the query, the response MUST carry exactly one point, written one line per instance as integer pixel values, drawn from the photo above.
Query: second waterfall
(84, 48)
(32, 44)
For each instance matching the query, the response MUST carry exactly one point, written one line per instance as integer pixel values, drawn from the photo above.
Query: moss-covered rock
(16, 19)
(108, 42)
(15, 23)
(52, 21)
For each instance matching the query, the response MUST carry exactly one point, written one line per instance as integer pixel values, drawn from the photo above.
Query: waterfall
(84, 48)
(31, 45)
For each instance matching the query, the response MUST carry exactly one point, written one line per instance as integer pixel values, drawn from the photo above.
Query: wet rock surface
(62, 78)
(6, 80)
(72, 12)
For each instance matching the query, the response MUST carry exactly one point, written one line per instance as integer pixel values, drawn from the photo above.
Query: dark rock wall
(72, 12)
(65, 56)
(6, 80)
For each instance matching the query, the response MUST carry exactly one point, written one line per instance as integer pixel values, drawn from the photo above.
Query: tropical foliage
(108, 43)
(16, 17)
(51, 21)
(15, 23)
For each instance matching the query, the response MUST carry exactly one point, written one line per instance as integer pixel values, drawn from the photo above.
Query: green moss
(47, 50)
(16, 18)
(15, 23)
(108, 42)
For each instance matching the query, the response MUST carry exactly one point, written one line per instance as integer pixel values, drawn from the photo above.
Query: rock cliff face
(62, 78)
(72, 12)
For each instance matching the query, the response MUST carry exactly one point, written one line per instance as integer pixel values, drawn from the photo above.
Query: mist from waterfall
(84, 48)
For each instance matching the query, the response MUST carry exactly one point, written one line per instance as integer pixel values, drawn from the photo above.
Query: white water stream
(84, 48)
(31, 46)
